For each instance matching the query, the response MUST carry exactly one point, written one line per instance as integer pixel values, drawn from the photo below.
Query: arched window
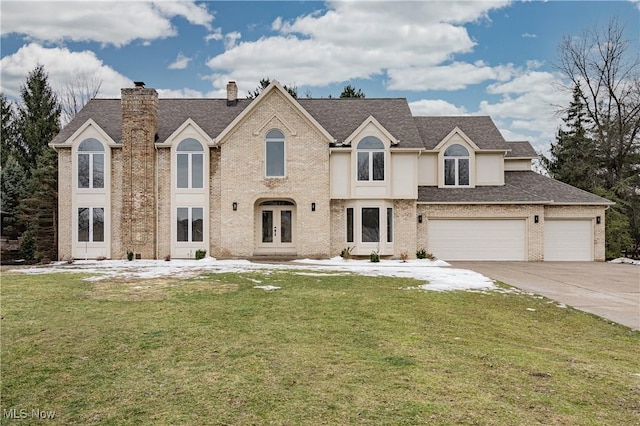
(274, 154)
(456, 166)
(90, 164)
(190, 164)
(370, 159)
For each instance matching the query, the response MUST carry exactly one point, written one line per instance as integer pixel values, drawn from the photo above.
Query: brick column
(139, 214)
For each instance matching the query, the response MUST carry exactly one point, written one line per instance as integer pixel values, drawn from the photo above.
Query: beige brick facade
(243, 181)
(142, 197)
(65, 215)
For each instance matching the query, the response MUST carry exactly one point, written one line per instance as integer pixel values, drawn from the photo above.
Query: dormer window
(370, 159)
(456, 166)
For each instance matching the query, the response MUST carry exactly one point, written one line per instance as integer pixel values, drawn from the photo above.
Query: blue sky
(447, 58)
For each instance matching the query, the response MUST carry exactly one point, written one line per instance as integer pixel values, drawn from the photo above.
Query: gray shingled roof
(521, 149)
(212, 115)
(340, 117)
(520, 187)
(480, 129)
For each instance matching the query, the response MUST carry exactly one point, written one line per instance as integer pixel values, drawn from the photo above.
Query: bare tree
(600, 64)
(75, 95)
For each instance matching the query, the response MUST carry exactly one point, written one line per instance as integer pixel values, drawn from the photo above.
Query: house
(306, 178)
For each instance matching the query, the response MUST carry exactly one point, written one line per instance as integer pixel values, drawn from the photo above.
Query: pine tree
(350, 91)
(13, 191)
(36, 125)
(573, 157)
(265, 82)
(40, 207)
(7, 135)
(38, 118)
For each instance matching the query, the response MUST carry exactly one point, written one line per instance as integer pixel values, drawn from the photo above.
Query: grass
(321, 350)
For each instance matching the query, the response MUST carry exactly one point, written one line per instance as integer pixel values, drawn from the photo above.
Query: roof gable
(342, 116)
(480, 129)
(370, 120)
(219, 139)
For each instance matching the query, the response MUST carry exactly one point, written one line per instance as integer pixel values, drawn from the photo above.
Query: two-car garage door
(505, 239)
(478, 239)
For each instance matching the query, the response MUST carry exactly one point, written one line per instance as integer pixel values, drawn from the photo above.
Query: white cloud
(116, 23)
(356, 40)
(230, 39)
(180, 63)
(62, 66)
(179, 94)
(529, 35)
(428, 107)
(215, 35)
(526, 109)
(455, 76)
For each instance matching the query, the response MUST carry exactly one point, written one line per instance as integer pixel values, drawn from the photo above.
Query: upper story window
(456, 166)
(190, 164)
(90, 164)
(274, 154)
(370, 159)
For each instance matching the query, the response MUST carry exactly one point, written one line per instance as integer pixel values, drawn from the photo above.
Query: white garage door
(568, 240)
(477, 239)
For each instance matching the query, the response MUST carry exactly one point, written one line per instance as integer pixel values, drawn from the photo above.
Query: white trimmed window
(90, 164)
(370, 158)
(274, 154)
(91, 224)
(456, 166)
(190, 224)
(190, 164)
(370, 220)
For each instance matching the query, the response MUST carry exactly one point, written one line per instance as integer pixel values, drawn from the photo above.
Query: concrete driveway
(609, 290)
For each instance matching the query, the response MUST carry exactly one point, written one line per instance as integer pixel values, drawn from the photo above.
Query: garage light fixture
(598, 220)
(234, 206)
(536, 218)
(419, 218)
(313, 207)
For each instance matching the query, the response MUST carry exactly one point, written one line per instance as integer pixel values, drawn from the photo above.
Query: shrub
(99, 258)
(200, 254)
(421, 254)
(346, 253)
(129, 255)
(374, 257)
(404, 255)
(167, 258)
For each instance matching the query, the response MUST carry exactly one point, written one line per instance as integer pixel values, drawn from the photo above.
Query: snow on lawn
(437, 274)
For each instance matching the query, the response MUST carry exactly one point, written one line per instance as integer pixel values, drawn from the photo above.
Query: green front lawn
(321, 350)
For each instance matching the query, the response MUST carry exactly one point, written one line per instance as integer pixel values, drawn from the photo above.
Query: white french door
(276, 227)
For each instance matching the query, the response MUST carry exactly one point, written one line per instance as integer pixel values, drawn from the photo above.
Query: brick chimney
(139, 107)
(232, 93)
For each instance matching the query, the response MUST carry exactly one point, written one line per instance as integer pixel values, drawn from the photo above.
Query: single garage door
(477, 239)
(569, 240)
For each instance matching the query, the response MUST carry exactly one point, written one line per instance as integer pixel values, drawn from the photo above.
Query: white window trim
(360, 248)
(442, 171)
(284, 156)
(90, 224)
(190, 240)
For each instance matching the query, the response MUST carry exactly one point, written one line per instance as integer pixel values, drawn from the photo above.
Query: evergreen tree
(40, 207)
(7, 135)
(265, 82)
(36, 125)
(38, 118)
(13, 191)
(573, 157)
(350, 91)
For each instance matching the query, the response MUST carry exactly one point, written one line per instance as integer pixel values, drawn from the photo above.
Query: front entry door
(276, 227)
